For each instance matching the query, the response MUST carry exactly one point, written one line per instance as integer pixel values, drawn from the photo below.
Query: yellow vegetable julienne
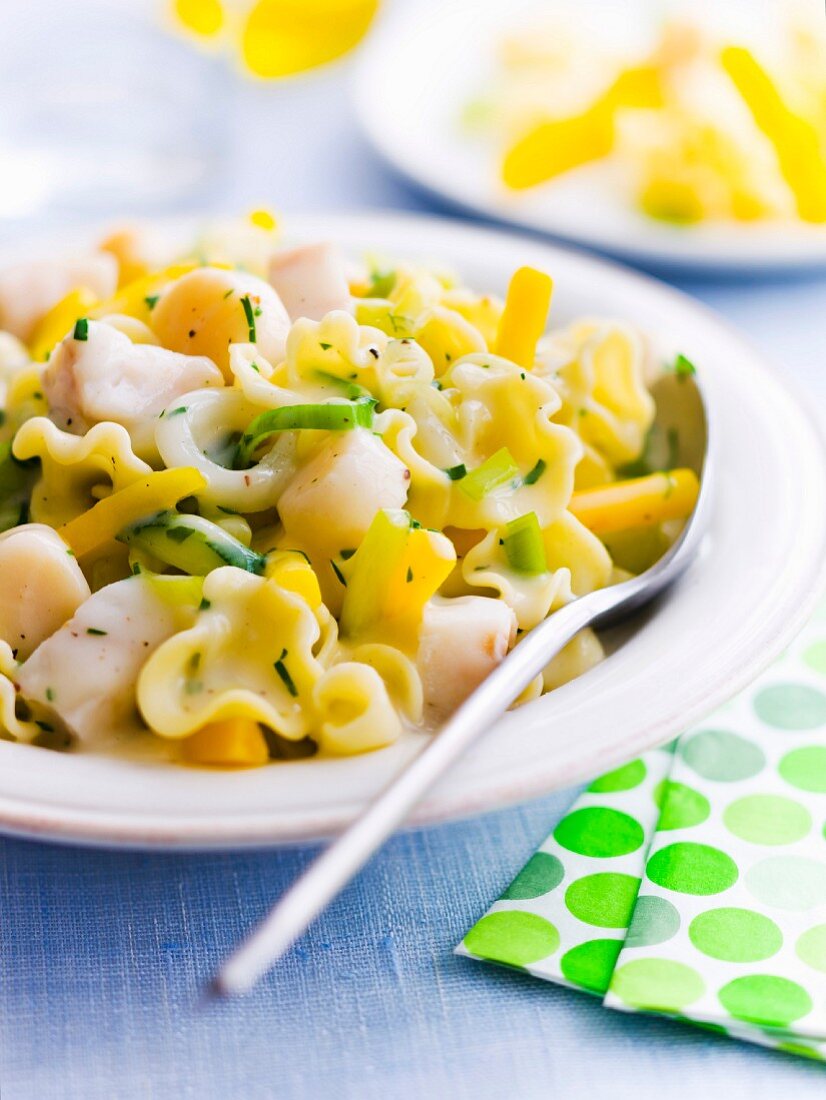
(799, 147)
(266, 517)
(110, 515)
(672, 123)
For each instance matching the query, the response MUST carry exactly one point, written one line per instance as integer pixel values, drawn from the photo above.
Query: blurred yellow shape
(60, 319)
(796, 141)
(283, 37)
(524, 316)
(263, 219)
(202, 17)
(672, 200)
(638, 502)
(134, 298)
(231, 743)
(559, 145)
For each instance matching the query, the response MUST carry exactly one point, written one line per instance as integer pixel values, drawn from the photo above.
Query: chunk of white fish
(461, 641)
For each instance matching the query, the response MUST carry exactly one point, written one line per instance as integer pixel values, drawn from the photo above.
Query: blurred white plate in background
(427, 60)
(740, 604)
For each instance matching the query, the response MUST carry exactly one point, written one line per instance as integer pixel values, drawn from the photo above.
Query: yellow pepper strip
(263, 219)
(132, 298)
(151, 494)
(800, 155)
(561, 144)
(231, 743)
(557, 146)
(204, 18)
(59, 320)
(524, 316)
(640, 86)
(392, 575)
(292, 571)
(283, 37)
(638, 502)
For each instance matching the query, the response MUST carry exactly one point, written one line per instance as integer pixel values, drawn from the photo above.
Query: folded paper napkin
(692, 881)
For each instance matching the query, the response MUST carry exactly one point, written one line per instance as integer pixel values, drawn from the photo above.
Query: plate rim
(200, 833)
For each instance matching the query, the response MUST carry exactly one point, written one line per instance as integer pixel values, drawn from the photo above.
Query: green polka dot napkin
(692, 881)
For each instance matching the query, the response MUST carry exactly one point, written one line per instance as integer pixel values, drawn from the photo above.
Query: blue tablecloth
(103, 956)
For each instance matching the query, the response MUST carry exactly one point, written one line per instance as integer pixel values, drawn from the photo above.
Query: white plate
(756, 582)
(429, 59)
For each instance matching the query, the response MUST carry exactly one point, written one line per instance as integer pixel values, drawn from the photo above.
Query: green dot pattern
(805, 768)
(621, 779)
(590, 965)
(599, 832)
(680, 806)
(735, 935)
(513, 938)
(690, 868)
(542, 873)
(815, 656)
(660, 985)
(811, 947)
(766, 1000)
(791, 706)
(655, 920)
(605, 900)
(721, 755)
(692, 881)
(767, 819)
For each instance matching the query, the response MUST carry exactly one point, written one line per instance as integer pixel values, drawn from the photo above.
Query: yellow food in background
(558, 145)
(799, 147)
(697, 129)
(205, 18)
(282, 37)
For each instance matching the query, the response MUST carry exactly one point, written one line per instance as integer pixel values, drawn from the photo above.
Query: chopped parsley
(409, 574)
(229, 293)
(323, 346)
(281, 669)
(50, 694)
(345, 555)
(455, 473)
(204, 605)
(151, 300)
(180, 409)
(81, 331)
(338, 573)
(532, 476)
(684, 368)
(381, 283)
(250, 315)
(94, 630)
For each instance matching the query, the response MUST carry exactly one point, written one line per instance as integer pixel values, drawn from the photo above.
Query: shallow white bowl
(429, 59)
(754, 585)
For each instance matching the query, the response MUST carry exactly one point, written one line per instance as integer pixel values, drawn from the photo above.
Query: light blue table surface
(103, 955)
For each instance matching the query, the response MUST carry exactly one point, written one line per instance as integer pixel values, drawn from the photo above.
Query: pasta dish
(259, 501)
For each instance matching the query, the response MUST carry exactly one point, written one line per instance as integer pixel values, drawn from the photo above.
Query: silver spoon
(681, 426)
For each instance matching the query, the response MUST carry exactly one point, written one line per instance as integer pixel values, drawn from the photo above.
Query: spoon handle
(346, 855)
